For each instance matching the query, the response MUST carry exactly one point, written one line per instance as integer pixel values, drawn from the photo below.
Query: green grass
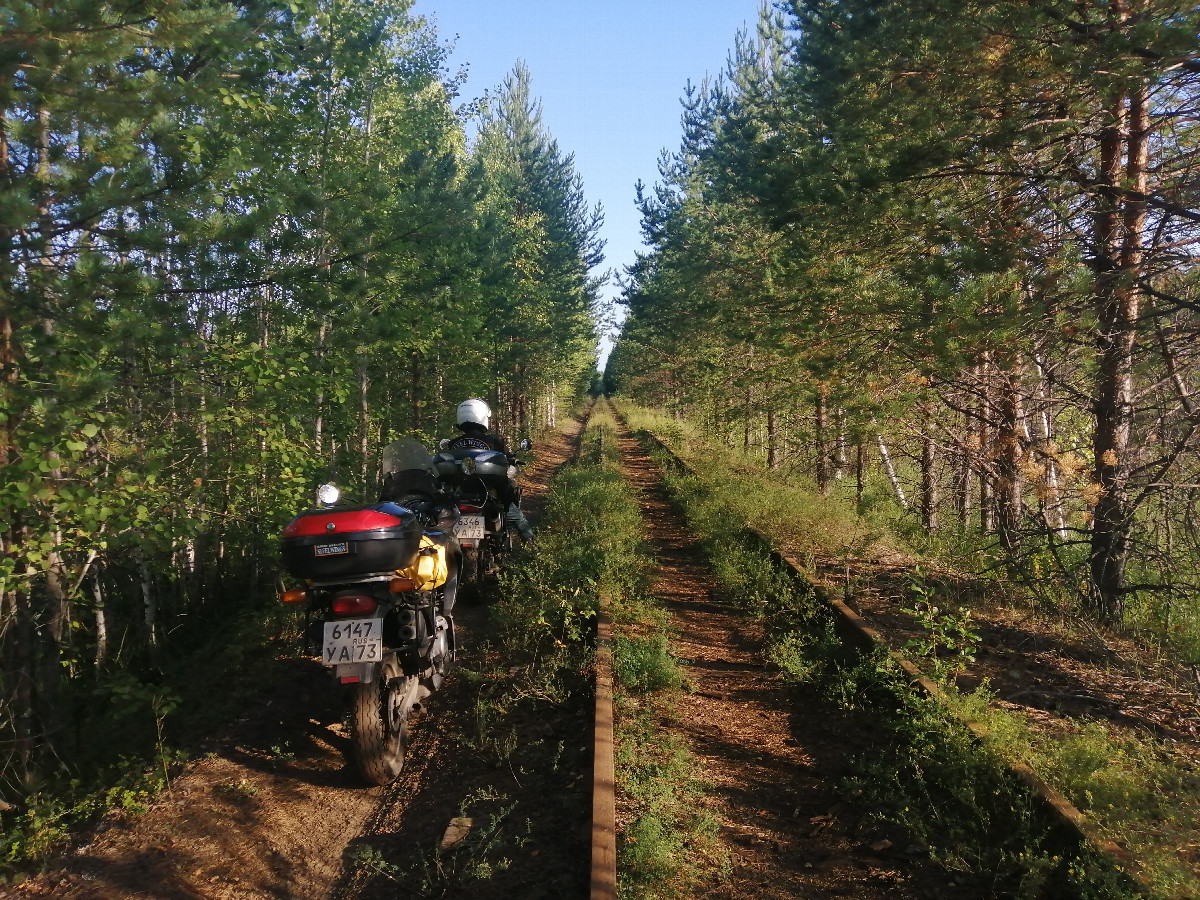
(788, 508)
(668, 843)
(928, 774)
(1129, 786)
(644, 664)
(537, 670)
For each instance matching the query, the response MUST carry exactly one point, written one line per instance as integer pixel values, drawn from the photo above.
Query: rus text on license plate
(353, 641)
(469, 528)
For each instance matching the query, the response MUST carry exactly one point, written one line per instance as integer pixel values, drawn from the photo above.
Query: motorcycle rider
(472, 418)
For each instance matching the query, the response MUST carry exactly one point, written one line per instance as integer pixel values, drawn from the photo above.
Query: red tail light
(468, 508)
(354, 605)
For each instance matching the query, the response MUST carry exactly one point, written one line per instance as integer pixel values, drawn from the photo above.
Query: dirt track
(774, 758)
(273, 811)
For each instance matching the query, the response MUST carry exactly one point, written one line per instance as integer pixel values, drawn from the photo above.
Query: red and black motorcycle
(380, 582)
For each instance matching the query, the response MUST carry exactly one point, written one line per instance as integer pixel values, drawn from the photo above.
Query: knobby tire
(378, 729)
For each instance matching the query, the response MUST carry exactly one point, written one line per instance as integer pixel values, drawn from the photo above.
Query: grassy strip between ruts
(926, 773)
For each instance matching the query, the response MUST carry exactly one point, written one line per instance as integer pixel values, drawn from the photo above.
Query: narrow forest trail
(773, 757)
(272, 810)
(553, 800)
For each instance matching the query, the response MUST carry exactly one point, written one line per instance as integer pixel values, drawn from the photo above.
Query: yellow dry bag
(430, 569)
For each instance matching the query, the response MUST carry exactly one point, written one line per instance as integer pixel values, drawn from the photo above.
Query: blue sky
(609, 73)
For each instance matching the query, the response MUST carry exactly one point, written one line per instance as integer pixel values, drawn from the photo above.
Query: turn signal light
(400, 585)
(296, 595)
(354, 605)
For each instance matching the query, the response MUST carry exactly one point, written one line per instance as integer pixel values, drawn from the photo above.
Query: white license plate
(469, 528)
(353, 641)
(331, 549)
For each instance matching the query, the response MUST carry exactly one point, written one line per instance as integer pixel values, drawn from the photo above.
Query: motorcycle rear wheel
(470, 566)
(470, 589)
(379, 724)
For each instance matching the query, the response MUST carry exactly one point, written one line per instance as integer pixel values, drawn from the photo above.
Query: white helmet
(474, 410)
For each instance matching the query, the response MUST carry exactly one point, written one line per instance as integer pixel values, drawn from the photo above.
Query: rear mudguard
(364, 672)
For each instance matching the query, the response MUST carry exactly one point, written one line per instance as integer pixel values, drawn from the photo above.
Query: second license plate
(469, 528)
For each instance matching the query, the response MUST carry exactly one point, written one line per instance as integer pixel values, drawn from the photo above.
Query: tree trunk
(821, 427)
(929, 485)
(839, 453)
(747, 425)
(886, 459)
(772, 438)
(1011, 482)
(364, 418)
(196, 545)
(55, 613)
(1118, 236)
(962, 492)
(415, 373)
(15, 616)
(1054, 512)
(19, 664)
(319, 421)
(860, 470)
(149, 604)
(987, 506)
(101, 621)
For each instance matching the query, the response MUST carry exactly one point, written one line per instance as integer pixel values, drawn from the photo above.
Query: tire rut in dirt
(265, 814)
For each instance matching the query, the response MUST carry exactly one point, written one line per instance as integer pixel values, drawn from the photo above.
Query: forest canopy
(959, 239)
(243, 245)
